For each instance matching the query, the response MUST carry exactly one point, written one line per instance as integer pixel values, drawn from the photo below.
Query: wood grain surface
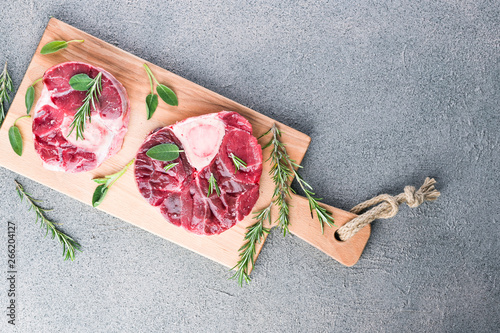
(124, 200)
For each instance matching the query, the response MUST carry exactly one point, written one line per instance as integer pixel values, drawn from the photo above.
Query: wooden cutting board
(124, 200)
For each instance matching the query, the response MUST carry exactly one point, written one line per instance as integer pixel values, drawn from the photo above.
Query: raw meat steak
(181, 193)
(55, 111)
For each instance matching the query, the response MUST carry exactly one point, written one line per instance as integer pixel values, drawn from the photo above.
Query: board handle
(309, 229)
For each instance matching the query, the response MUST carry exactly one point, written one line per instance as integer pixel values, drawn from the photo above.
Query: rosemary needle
(238, 162)
(212, 185)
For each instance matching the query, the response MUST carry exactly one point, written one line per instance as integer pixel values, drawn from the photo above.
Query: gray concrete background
(389, 91)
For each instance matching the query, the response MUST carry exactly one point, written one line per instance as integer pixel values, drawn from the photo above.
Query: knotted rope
(387, 207)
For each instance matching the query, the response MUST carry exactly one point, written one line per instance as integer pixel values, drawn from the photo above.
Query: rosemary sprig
(255, 233)
(5, 88)
(68, 243)
(281, 171)
(238, 162)
(283, 167)
(212, 185)
(84, 112)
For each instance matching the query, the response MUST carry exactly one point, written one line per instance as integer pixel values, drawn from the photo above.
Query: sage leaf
(16, 140)
(106, 183)
(57, 45)
(164, 152)
(80, 82)
(151, 104)
(170, 166)
(99, 194)
(167, 95)
(29, 98)
(54, 46)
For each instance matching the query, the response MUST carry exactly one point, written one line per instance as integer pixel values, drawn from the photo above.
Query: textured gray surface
(390, 93)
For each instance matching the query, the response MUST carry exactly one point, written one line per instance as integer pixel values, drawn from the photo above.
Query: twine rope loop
(386, 206)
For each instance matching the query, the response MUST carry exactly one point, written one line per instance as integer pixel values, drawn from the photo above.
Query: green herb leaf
(57, 45)
(29, 98)
(212, 185)
(170, 166)
(16, 140)
(151, 104)
(164, 152)
(99, 194)
(80, 82)
(106, 182)
(238, 162)
(54, 46)
(167, 95)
